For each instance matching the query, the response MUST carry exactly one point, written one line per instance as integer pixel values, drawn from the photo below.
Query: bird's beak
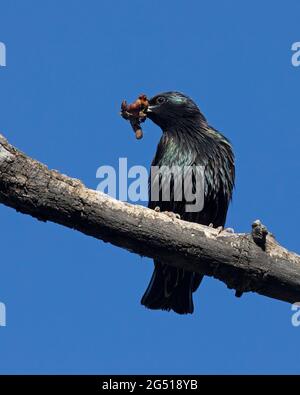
(151, 108)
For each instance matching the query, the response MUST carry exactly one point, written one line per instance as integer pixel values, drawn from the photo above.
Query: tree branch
(268, 269)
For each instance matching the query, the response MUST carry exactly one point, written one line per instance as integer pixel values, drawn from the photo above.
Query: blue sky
(72, 301)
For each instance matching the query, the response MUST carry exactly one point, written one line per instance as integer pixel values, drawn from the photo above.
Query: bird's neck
(185, 124)
(187, 131)
(188, 139)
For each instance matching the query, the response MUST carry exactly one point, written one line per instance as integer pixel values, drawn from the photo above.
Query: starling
(187, 140)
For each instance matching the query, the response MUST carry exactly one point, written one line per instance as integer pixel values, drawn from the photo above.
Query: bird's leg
(170, 214)
(259, 234)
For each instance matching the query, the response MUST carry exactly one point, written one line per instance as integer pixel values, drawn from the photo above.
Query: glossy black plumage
(187, 140)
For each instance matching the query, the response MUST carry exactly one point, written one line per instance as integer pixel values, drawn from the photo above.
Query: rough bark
(262, 266)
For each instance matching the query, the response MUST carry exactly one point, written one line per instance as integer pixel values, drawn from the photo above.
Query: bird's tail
(171, 289)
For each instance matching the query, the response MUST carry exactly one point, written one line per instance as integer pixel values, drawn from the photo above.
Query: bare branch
(268, 269)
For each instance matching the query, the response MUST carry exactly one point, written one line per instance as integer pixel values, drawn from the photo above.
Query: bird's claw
(170, 214)
(229, 230)
(221, 229)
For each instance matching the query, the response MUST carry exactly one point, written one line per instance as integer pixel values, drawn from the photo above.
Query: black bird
(187, 140)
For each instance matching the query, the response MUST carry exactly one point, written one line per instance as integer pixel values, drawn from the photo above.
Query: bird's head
(170, 109)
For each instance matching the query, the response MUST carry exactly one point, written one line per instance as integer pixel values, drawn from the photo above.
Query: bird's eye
(160, 100)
